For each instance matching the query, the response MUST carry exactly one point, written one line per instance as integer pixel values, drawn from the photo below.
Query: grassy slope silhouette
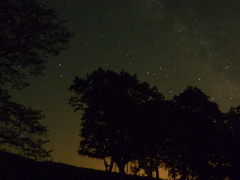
(13, 166)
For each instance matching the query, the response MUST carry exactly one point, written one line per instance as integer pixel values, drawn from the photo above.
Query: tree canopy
(195, 136)
(20, 129)
(30, 33)
(230, 143)
(110, 103)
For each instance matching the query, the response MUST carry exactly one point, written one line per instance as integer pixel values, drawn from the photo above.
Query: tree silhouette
(194, 145)
(29, 34)
(125, 120)
(110, 104)
(230, 144)
(20, 129)
(152, 134)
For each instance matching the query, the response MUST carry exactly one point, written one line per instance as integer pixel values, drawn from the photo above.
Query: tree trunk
(111, 165)
(157, 170)
(173, 173)
(105, 164)
(151, 167)
(108, 167)
(121, 166)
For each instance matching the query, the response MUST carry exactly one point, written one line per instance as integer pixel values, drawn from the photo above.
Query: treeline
(128, 121)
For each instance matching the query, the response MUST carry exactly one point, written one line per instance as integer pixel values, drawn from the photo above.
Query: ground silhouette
(13, 166)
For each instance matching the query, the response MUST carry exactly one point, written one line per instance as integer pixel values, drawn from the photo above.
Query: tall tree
(195, 141)
(29, 34)
(110, 104)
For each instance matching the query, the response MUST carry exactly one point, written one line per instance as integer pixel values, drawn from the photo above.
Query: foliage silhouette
(127, 121)
(20, 128)
(195, 141)
(152, 135)
(110, 102)
(230, 144)
(29, 34)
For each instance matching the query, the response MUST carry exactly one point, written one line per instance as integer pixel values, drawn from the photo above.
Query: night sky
(169, 44)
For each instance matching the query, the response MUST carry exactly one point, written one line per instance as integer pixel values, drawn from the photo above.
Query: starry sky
(169, 44)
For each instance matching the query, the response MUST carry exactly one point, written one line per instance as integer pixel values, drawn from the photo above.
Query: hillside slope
(16, 167)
